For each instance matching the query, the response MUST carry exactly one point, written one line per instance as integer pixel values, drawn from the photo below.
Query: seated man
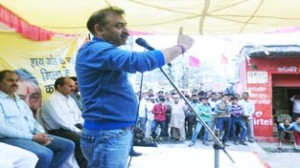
(62, 116)
(12, 156)
(286, 129)
(296, 125)
(19, 128)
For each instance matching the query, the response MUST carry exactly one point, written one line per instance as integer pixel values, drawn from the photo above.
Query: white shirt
(212, 103)
(142, 108)
(296, 104)
(150, 115)
(12, 157)
(59, 111)
(248, 107)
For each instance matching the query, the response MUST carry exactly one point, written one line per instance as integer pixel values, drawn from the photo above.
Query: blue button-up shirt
(16, 118)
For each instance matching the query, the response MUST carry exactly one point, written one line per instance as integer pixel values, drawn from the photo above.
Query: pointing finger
(180, 31)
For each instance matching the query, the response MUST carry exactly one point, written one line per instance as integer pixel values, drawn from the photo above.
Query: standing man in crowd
(142, 112)
(159, 111)
(110, 105)
(203, 110)
(191, 116)
(223, 118)
(19, 128)
(296, 106)
(249, 109)
(62, 116)
(150, 116)
(177, 122)
(237, 113)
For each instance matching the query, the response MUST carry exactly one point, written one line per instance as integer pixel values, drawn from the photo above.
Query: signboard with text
(261, 94)
(43, 61)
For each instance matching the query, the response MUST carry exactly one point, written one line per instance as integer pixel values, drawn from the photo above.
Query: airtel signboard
(259, 119)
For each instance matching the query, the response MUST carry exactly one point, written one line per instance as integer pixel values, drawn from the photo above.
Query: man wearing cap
(204, 111)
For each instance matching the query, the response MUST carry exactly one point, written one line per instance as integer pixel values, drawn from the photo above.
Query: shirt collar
(61, 95)
(4, 95)
(97, 39)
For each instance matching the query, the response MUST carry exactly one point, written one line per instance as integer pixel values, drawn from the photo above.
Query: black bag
(139, 138)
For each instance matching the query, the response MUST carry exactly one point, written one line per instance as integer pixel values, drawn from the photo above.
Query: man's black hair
(59, 81)
(99, 17)
(74, 78)
(3, 73)
(234, 98)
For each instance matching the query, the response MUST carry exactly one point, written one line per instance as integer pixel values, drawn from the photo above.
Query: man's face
(224, 98)
(176, 99)
(115, 30)
(167, 96)
(194, 98)
(245, 96)
(287, 122)
(67, 88)
(31, 94)
(76, 87)
(9, 84)
(204, 101)
(234, 101)
(298, 120)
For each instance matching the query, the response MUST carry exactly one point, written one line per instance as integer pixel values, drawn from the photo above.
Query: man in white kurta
(62, 116)
(177, 119)
(15, 157)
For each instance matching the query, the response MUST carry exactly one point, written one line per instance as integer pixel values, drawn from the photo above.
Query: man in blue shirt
(19, 128)
(286, 129)
(109, 102)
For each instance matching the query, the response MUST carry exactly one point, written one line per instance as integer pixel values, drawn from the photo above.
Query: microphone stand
(217, 144)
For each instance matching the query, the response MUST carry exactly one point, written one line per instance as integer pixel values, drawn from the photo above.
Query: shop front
(272, 77)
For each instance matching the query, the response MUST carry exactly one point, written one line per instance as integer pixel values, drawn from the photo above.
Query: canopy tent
(216, 17)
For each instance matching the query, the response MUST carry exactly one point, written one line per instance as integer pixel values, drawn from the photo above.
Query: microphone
(143, 43)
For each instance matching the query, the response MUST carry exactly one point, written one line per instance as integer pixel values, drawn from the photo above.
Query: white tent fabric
(213, 17)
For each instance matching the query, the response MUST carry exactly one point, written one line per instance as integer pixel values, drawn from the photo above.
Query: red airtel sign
(261, 95)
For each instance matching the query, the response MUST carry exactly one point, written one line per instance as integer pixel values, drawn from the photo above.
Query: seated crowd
(40, 134)
(35, 146)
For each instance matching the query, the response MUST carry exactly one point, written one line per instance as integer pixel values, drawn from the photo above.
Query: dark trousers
(224, 124)
(162, 128)
(191, 121)
(168, 118)
(75, 137)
